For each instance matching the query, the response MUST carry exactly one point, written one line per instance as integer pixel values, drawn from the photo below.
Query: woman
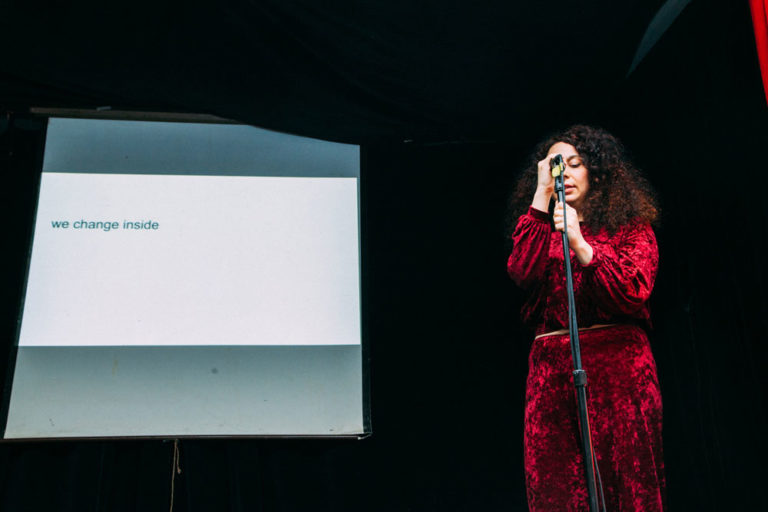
(609, 208)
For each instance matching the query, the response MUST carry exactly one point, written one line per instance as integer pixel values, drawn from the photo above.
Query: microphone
(557, 165)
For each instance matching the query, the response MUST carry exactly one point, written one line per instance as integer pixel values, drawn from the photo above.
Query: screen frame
(45, 115)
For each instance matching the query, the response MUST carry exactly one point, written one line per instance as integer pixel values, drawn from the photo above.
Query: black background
(447, 117)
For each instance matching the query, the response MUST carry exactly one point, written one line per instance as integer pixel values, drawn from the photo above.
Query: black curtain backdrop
(347, 70)
(448, 355)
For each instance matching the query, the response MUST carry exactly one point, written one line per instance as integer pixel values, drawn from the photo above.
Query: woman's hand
(546, 182)
(545, 186)
(580, 246)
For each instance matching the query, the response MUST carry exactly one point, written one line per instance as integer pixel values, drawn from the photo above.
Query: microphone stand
(579, 375)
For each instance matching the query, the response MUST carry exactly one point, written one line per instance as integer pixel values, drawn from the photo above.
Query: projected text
(109, 225)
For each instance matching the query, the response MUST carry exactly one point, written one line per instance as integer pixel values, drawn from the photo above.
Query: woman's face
(576, 175)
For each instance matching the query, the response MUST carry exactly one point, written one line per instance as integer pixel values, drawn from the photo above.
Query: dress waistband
(566, 331)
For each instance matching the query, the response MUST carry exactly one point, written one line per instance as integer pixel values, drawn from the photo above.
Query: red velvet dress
(623, 391)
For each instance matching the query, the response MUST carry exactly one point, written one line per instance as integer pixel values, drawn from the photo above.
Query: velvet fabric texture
(624, 399)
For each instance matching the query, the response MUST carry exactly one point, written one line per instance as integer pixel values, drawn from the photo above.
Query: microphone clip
(557, 166)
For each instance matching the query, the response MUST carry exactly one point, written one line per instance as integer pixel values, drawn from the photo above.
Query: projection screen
(190, 279)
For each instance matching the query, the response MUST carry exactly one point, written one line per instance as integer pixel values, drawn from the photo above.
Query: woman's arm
(528, 261)
(620, 276)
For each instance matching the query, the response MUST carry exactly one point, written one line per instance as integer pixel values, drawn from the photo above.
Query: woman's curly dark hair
(618, 192)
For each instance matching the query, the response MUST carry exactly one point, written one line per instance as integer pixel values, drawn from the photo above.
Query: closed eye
(574, 162)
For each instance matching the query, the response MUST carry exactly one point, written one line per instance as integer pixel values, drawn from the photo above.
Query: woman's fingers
(571, 213)
(545, 176)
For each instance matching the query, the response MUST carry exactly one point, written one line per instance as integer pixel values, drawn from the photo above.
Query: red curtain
(760, 21)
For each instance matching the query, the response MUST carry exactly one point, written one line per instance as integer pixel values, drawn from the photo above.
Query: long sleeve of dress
(621, 274)
(527, 264)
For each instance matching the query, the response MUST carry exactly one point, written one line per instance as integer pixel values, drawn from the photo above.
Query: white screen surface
(196, 279)
(127, 259)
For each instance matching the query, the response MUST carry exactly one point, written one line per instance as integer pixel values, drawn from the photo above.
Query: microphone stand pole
(579, 375)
